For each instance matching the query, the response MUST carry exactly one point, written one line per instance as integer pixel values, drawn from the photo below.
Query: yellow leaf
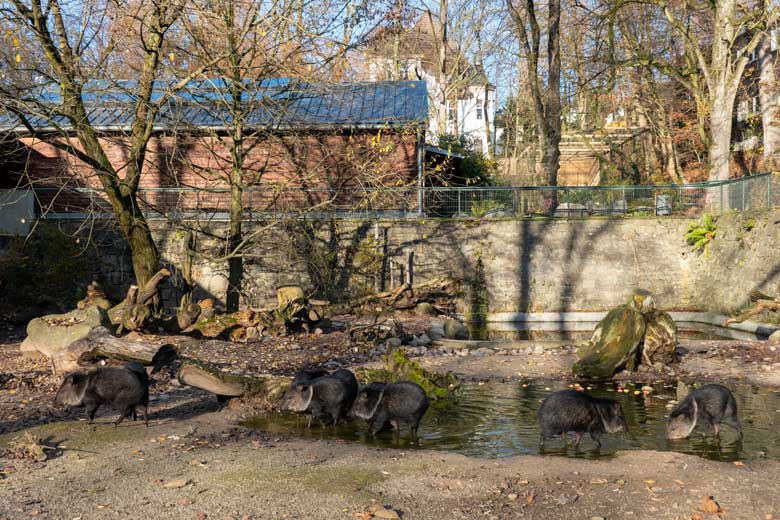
(18, 58)
(16, 42)
(172, 57)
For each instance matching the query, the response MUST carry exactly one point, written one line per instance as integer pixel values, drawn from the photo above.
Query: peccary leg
(122, 416)
(716, 427)
(146, 416)
(734, 423)
(380, 419)
(578, 435)
(91, 411)
(595, 437)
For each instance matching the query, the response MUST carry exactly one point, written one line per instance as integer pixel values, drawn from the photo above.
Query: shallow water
(581, 331)
(495, 420)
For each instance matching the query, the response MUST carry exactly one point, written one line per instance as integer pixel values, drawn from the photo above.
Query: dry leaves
(709, 506)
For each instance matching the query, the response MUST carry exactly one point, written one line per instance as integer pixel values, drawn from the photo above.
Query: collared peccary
(121, 388)
(400, 405)
(329, 396)
(305, 375)
(573, 411)
(706, 408)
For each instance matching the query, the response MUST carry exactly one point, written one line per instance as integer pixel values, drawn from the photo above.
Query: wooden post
(392, 273)
(410, 268)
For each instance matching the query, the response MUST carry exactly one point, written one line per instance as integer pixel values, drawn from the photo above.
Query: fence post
(742, 206)
(410, 268)
(458, 191)
(721, 197)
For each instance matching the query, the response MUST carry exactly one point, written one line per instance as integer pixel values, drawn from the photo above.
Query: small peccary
(119, 387)
(139, 370)
(707, 408)
(572, 411)
(328, 396)
(400, 405)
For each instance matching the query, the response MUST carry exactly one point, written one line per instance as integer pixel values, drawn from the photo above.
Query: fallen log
(224, 383)
(759, 302)
(101, 344)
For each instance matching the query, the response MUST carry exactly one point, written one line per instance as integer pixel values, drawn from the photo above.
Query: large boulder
(660, 343)
(49, 335)
(614, 343)
(453, 329)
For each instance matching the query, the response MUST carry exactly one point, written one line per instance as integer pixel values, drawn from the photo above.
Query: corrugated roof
(274, 104)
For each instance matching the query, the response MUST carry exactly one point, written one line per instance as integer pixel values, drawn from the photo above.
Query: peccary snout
(571, 411)
(706, 408)
(122, 388)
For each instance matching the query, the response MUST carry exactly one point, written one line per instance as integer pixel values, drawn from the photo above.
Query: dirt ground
(195, 462)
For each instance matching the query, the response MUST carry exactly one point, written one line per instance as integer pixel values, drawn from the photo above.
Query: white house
(413, 54)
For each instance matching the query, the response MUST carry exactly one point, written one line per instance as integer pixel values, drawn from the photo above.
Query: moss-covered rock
(614, 343)
(398, 367)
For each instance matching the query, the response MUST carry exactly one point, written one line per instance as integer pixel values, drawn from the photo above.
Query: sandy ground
(195, 462)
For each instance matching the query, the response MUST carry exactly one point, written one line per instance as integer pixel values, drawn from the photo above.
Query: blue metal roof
(278, 103)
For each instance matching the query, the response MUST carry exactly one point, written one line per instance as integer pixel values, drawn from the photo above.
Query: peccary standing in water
(400, 405)
(706, 408)
(572, 411)
(121, 388)
(329, 396)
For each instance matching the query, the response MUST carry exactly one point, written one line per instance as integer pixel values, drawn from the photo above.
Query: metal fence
(756, 192)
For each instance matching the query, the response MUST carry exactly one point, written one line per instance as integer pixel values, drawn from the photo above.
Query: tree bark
(142, 297)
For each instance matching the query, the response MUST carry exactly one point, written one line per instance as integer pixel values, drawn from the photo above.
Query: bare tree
(769, 94)
(718, 39)
(544, 82)
(71, 47)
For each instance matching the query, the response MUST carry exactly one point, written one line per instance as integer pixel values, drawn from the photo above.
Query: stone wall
(530, 266)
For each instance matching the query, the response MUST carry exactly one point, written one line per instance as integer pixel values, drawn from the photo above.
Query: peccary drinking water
(122, 388)
(400, 405)
(706, 408)
(329, 396)
(572, 411)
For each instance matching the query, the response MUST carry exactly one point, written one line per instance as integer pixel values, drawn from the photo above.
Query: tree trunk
(442, 43)
(488, 130)
(719, 150)
(769, 97)
(552, 153)
(143, 296)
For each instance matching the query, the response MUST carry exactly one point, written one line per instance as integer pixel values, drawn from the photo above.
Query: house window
(742, 110)
(479, 108)
(451, 113)
(755, 104)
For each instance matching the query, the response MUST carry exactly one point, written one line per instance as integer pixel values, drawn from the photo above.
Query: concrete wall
(530, 266)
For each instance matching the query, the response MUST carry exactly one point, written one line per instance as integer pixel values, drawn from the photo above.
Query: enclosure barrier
(757, 192)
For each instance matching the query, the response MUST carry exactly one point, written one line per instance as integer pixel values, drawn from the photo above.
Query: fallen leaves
(176, 484)
(708, 505)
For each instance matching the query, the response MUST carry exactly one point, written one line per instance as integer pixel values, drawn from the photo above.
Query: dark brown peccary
(119, 387)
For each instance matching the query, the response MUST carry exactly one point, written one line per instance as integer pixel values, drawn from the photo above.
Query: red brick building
(302, 140)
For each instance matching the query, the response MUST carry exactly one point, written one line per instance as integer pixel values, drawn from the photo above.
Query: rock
(453, 329)
(775, 337)
(252, 333)
(660, 342)
(436, 332)
(52, 334)
(393, 343)
(425, 309)
(682, 390)
(614, 343)
(538, 350)
(420, 341)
